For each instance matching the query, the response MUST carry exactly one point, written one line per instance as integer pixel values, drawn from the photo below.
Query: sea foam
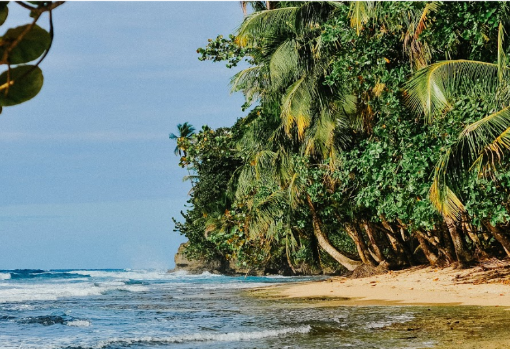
(54, 291)
(78, 323)
(204, 337)
(5, 276)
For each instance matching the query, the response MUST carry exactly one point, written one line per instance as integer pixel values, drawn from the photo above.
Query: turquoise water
(96, 309)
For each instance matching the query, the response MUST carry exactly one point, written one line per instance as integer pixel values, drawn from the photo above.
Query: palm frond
(487, 134)
(481, 144)
(445, 200)
(430, 88)
(284, 63)
(360, 13)
(263, 23)
(419, 52)
(321, 138)
(251, 81)
(421, 25)
(502, 60)
(295, 108)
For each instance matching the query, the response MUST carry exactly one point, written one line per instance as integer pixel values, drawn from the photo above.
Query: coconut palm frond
(263, 23)
(441, 195)
(263, 161)
(480, 145)
(321, 138)
(421, 25)
(431, 87)
(360, 13)
(312, 13)
(419, 52)
(502, 59)
(251, 82)
(296, 104)
(284, 63)
(488, 134)
(493, 153)
(186, 130)
(244, 78)
(190, 178)
(294, 192)
(445, 200)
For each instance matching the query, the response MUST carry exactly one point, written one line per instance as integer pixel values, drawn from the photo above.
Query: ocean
(108, 309)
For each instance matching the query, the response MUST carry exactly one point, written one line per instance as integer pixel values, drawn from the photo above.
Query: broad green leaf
(31, 47)
(26, 82)
(4, 11)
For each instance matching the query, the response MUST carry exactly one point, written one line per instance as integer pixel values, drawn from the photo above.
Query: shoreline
(474, 303)
(476, 286)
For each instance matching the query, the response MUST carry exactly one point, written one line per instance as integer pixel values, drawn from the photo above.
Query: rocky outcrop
(215, 266)
(232, 267)
(199, 266)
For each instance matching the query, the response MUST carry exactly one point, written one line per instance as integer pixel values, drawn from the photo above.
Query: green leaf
(31, 47)
(4, 11)
(26, 84)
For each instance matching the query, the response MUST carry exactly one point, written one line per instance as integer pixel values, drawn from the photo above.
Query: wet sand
(462, 309)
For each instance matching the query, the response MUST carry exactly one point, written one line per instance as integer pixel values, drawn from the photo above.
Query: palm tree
(303, 116)
(480, 146)
(185, 131)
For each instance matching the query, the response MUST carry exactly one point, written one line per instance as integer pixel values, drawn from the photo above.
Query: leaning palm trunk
(324, 243)
(429, 254)
(362, 248)
(498, 234)
(377, 251)
(463, 256)
(401, 256)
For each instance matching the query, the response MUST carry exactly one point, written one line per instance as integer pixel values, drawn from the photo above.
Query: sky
(88, 178)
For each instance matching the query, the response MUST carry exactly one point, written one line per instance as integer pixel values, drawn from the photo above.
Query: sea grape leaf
(32, 46)
(4, 11)
(27, 81)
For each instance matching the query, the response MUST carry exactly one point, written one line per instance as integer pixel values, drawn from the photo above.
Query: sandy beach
(479, 286)
(474, 302)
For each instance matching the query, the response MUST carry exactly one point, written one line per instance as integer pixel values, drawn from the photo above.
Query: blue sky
(88, 176)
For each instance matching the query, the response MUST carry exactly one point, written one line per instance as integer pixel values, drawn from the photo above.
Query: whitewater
(96, 309)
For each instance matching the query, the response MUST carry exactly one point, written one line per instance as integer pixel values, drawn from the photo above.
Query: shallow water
(109, 309)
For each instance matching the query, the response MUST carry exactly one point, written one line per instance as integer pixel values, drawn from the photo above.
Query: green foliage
(33, 44)
(22, 45)
(222, 49)
(25, 83)
(335, 146)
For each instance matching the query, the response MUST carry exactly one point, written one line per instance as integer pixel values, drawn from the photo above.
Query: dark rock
(198, 266)
(232, 267)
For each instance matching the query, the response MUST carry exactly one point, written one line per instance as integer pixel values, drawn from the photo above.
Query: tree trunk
(431, 256)
(463, 256)
(502, 238)
(377, 251)
(287, 253)
(324, 243)
(402, 255)
(363, 252)
(447, 243)
(470, 231)
(442, 250)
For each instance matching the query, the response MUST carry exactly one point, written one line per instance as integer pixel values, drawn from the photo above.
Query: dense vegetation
(375, 135)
